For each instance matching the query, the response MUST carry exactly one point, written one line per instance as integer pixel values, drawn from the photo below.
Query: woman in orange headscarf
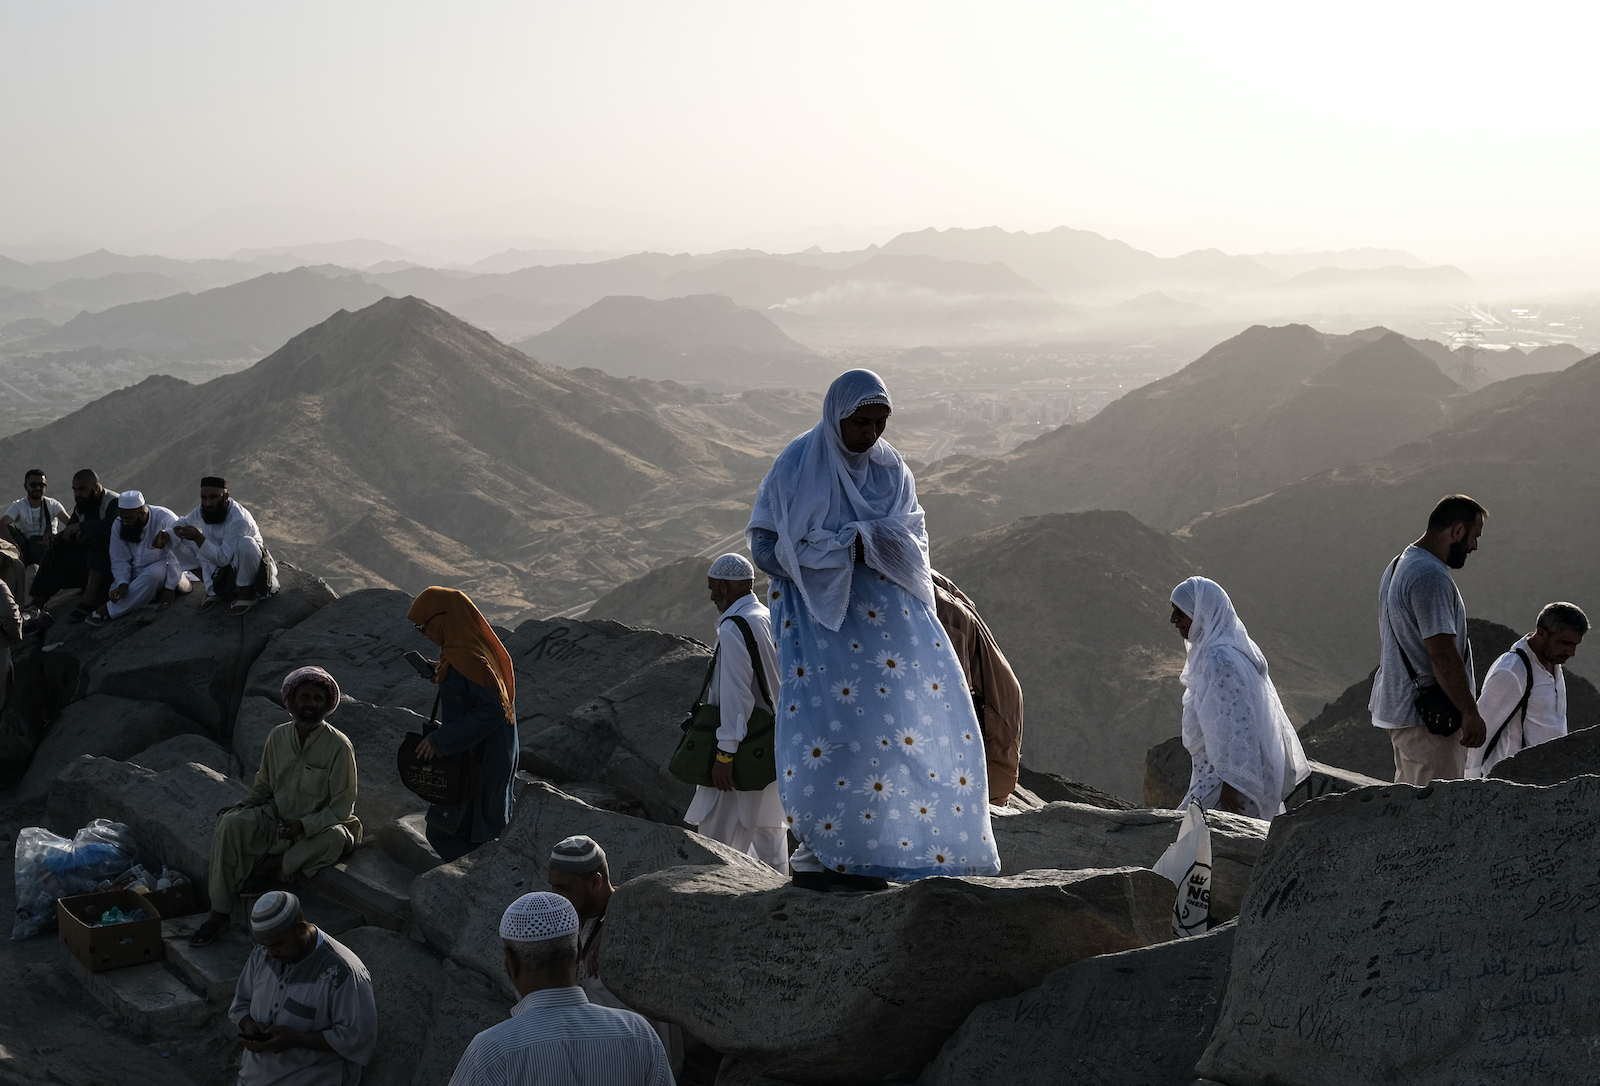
(477, 711)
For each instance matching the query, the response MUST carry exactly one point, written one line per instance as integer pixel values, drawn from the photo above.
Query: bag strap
(1521, 706)
(711, 669)
(433, 718)
(755, 657)
(1404, 659)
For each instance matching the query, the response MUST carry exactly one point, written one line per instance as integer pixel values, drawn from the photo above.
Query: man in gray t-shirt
(1423, 622)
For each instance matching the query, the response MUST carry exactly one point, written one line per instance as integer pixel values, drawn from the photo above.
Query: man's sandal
(96, 619)
(207, 604)
(239, 607)
(207, 933)
(80, 612)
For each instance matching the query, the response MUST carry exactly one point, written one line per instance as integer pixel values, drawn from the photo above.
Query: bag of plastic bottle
(49, 867)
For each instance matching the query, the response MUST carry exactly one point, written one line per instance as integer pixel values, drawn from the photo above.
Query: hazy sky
(1460, 131)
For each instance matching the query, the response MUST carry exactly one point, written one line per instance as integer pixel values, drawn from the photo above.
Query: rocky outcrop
(1054, 788)
(1550, 763)
(1139, 1018)
(171, 814)
(1422, 935)
(1075, 836)
(458, 905)
(180, 749)
(106, 726)
(856, 988)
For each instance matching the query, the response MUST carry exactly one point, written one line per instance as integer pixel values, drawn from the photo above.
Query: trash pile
(50, 867)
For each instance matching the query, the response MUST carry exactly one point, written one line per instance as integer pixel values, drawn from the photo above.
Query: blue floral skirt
(880, 761)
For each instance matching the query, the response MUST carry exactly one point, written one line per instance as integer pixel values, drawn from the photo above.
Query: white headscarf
(1231, 711)
(819, 496)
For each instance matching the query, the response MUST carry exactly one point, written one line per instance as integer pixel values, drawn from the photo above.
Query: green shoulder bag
(753, 764)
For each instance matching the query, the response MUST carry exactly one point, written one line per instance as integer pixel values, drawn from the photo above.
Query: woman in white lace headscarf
(880, 761)
(1246, 755)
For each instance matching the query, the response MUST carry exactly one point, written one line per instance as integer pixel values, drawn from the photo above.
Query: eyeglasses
(422, 627)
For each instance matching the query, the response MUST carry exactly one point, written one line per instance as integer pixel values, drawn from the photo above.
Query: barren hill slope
(1260, 410)
(399, 446)
(1312, 551)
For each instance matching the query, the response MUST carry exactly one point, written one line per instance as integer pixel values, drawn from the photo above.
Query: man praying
(301, 810)
(303, 1003)
(141, 569)
(220, 539)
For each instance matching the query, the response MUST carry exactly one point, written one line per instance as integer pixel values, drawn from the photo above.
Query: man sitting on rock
(31, 520)
(579, 873)
(141, 569)
(555, 1035)
(302, 808)
(303, 1003)
(220, 539)
(80, 554)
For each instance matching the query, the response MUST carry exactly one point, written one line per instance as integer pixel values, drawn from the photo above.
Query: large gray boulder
(180, 749)
(172, 814)
(375, 731)
(856, 988)
(1139, 1018)
(103, 725)
(458, 905)
(1573, 755)
(1073, 836)
(1429, 936)
(626, 734)
(195, 664)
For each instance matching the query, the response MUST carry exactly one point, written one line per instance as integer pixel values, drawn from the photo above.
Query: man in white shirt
(555, 1036)
(220, 539)
(1524, 696)
(31, 521)
(751, 821)
(141, 570)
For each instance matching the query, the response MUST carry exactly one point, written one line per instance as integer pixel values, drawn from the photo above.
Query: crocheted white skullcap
(537, 916)
(732, 567)
(274, 913)
(130, 499)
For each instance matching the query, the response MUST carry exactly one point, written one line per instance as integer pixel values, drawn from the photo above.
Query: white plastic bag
(50, 867)
(1187, 863)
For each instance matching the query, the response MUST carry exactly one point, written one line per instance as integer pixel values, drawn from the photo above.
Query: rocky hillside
(399, 446)
(1260, 410)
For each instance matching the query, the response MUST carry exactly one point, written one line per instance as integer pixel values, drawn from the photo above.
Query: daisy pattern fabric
(880, 762)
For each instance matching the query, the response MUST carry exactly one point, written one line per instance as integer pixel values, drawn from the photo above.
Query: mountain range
(398, 445)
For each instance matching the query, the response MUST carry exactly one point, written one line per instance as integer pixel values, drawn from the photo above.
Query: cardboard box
(114, 946)
(175, 901)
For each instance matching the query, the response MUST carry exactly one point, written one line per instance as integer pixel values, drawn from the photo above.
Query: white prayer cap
(130, 499)
(537, 916)
(732, 567)
(274, 913)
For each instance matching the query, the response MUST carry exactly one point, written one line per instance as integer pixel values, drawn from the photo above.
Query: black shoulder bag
(450, 780)
(1520, 707)
(1432, 704)
(753, 765)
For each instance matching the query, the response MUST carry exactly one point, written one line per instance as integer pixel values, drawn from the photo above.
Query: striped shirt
(556, 1037)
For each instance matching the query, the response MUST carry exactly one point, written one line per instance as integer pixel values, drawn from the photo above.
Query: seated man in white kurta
(141, 570)
(220, 536)
(751, 822)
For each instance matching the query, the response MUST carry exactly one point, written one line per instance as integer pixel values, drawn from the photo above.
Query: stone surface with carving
(1167, 767)
(1139, 1018)
(857, 988)
(458, 905)
(1428, 936)
(1073, 836)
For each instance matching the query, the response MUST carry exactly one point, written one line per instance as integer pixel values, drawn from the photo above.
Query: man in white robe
(1524, 697)
(750, 821)
(220, 536)
(141, 569)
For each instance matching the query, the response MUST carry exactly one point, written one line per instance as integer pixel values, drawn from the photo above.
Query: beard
(132, 533)
(219, 514)
(1458, 554)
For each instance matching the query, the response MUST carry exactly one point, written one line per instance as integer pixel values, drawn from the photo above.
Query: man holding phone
(303, 1003)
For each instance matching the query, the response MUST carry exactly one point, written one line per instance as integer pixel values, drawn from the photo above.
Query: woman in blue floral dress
(880, 761)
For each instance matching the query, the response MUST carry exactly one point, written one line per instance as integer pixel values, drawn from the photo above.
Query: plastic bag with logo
(1187, 863)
